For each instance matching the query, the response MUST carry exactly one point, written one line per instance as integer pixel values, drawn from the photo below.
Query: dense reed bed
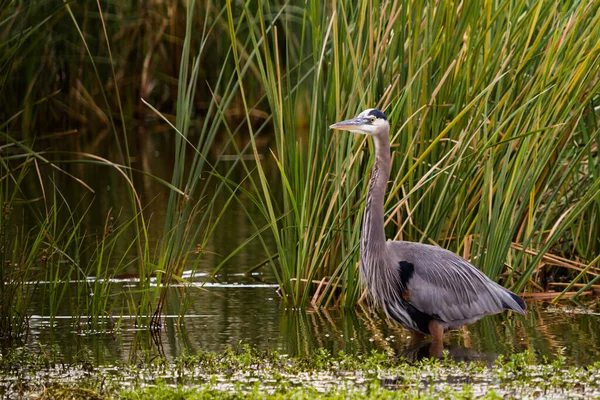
(493, 107)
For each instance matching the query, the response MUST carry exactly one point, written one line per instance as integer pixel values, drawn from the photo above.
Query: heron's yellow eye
(372, 119)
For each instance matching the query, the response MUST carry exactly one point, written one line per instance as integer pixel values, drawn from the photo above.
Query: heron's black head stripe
(377, 114)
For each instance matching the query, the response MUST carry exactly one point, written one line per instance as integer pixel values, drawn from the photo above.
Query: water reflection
(426, 349)
(232, 315)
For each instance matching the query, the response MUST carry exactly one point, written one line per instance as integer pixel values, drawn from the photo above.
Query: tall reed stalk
(193, 212)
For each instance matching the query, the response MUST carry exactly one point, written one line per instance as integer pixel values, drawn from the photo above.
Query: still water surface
(239, 312)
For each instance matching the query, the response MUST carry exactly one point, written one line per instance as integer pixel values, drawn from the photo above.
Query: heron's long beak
(350, 124)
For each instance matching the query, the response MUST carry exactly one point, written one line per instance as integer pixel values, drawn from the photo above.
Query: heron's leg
(466, 337)
(437, 334)
(436, 349)
(437, 331)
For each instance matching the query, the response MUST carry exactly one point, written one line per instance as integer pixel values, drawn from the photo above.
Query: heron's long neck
(373, 232)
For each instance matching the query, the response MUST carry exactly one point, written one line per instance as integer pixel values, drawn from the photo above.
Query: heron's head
(368, 122)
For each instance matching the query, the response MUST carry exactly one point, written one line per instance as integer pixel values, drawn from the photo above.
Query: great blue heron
(427, 289)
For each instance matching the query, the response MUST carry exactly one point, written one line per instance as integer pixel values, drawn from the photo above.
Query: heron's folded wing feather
(446, 286)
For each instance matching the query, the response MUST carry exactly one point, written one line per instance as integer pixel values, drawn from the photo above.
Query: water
(228, 315)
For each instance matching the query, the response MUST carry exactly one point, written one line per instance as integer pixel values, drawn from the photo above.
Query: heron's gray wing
(447, 287)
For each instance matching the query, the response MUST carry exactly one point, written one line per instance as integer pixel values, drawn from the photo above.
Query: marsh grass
(494, 135)
(15, 268)
(88, 92)
(53, 262)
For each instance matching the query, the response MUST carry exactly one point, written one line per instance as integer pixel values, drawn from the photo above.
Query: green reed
(15, 264)
(193, 212)
(51, 265)
(93, 100)
(494, 134)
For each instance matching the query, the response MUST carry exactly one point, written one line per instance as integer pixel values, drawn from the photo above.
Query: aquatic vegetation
(40, 260)
(481, 163)
(247, 373)
(494, 112)
(58, 237)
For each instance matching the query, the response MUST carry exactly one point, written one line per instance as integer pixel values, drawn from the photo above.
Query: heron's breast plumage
(388, 285)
